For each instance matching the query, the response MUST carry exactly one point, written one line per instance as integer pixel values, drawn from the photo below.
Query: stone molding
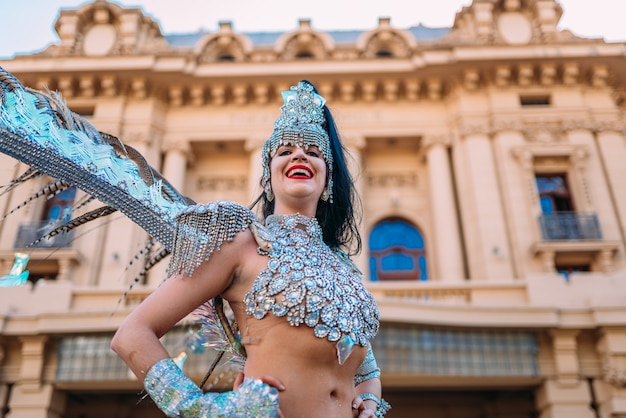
(221, 183)
(392, 180)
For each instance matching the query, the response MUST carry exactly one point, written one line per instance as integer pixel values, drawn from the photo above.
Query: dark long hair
(340, 218)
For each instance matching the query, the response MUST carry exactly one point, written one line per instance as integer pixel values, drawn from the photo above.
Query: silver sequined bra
(311, 284)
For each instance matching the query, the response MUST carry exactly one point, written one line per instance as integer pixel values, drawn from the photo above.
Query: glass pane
(551, 184)
(413, 350)
(547, 204)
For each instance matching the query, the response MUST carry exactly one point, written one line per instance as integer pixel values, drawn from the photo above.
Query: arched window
(397, 252)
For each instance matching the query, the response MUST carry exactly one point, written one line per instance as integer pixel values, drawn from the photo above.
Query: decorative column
(355, 144)
(447, 252)
(4, 398)
(175, 163)
(565, 395)
(30, 397)
(65, 270)
(484, 226)
(612, 148)
(254, 147)
(611, 388)
(526, 158)
(175, 171)
(592, 184)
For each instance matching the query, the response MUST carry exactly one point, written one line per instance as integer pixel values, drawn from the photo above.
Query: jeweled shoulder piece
(202, 229)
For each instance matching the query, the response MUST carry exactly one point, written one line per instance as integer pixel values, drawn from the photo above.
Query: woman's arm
(369, 402)
(137, 339)
(137, 342)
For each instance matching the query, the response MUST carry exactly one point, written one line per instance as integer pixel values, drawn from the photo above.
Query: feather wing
(39, 130)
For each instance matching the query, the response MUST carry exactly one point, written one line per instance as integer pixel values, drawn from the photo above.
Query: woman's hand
(364, 409)
(270, 380)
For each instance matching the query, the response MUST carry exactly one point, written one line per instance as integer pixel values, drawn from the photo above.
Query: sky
(28, 25)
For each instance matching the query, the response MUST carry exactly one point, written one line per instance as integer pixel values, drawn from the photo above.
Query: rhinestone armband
(382, 405)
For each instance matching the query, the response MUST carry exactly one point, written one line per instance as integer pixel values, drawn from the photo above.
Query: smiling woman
(288, 278)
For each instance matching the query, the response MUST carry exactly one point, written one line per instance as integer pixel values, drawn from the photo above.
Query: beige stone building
(491, 162)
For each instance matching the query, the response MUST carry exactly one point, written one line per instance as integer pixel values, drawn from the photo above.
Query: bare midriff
(316, 385)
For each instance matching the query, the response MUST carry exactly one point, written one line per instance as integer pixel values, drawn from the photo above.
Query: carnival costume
(305, 281)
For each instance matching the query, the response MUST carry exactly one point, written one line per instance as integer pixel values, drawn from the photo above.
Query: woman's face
(298, 177)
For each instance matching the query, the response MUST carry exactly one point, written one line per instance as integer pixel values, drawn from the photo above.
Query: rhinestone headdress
(301, 123)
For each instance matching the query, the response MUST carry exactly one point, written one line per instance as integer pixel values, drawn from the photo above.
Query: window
(59, 207)
(531, 101)
(57, 211)
(384, 53)
(304, 55)
(566, 269)
(86, 359)
(226, 57)
(428, 351)
(397, 252)
(554, 194)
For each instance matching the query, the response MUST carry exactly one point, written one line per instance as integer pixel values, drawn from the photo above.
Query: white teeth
(299, 172)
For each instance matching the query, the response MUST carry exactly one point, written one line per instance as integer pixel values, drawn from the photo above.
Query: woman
(304, 316)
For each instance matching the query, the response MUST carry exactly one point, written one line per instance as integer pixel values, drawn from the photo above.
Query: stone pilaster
(254, 147)
(30, 396)
(175, 163)
(484, 226)
(612, 148)
(448, 254)
(355, 143)
(611, 389)
(565, 395)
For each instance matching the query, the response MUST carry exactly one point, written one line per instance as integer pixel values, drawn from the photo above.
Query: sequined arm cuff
(170, 389)
(202, 229)
(369, 368)
(177, 396)
(382, 406)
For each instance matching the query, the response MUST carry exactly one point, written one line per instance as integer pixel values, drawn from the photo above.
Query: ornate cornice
(610, 125)
(614, 376)
(474, 127)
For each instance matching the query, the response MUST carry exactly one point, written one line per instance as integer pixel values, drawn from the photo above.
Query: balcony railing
(29, 233)
(566, 226)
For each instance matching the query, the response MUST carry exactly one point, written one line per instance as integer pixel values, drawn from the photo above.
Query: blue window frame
(397, 252)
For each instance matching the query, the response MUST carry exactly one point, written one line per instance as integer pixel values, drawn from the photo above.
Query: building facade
(490, 158)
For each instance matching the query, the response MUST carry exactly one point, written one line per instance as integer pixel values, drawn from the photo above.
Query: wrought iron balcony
(570, 226)
(29, 233)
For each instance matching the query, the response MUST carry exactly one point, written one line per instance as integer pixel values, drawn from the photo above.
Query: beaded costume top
(311, 284)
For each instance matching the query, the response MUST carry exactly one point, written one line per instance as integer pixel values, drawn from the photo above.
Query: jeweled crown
(301, 123)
